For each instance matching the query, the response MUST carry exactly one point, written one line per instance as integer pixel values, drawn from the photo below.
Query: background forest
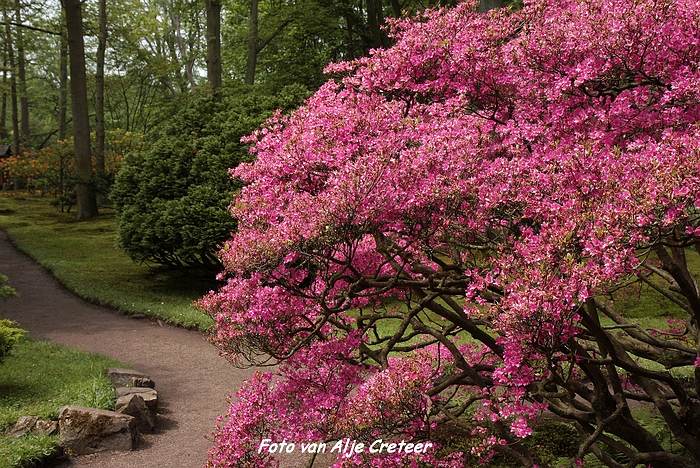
(174, 83)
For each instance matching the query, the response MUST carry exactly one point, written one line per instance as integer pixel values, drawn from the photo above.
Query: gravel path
(192, 380)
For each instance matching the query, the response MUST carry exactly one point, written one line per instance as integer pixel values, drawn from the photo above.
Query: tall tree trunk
(375, 21)
(396, 8)
(3, 107)
(213, 8)
(252, 44)
(22, 75)
(486, 5)
(176, 20)
(255, 45)
(16, 149)
(87, 203)
(100, 96)
(63, 89)
(16, 143)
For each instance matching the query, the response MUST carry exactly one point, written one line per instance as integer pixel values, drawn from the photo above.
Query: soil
(192, 380)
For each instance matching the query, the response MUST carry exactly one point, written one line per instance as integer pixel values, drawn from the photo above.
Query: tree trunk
(486, 5)
(375, 21)
(176, 20)
(22, 75)
(16, 143)
(100, 96)
(396, 8)
(3, 109)
(16, 150)
(213, 8)
(252, 44)
(63, 89)
(87, 203)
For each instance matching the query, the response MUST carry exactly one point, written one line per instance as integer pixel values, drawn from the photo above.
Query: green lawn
(83, 256)
(36, 379)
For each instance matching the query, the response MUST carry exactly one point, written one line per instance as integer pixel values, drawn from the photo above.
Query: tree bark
(16, 142)
(396, 8)
(486, 5)
(63, 90)
(252, 44)
(176, 20)
(16, 149)
(213, 9)
(22, 75)
(87, 203)
(255, 45)
(3, 109)
(100, 95)
(375, 21)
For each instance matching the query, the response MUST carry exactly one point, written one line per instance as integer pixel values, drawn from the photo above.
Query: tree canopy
(437, 237)
(140, 57)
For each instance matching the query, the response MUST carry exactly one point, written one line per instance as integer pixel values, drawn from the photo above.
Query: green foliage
(172, 199)
(554, 440)
(10, 334)
(304, 36)
(6, 291)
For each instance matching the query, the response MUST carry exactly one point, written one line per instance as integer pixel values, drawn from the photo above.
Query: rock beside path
(24, 425)
(192, 378)
(129, 378)
(45, 427)
(149, 395)
(134, 406)
(89, 430)
(27, 424)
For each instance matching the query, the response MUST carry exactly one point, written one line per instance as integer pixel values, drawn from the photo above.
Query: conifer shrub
(172, 199)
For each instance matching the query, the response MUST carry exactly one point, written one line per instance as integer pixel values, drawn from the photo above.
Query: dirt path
(192, 380)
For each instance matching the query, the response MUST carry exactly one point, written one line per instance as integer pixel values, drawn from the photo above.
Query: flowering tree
(434, 240)
(52, 169)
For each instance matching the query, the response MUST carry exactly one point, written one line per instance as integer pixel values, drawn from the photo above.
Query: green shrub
(558, 439)
(553, 442)
(172, 200)
(10, 334)
(6, 291)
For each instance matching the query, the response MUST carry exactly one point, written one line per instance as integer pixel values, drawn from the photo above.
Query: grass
(84, 257)
(26, 450)
(36, 379)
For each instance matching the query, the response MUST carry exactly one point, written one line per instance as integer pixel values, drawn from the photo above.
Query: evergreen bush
(172, 199)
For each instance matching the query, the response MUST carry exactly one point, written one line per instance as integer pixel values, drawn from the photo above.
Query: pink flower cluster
(492, 172)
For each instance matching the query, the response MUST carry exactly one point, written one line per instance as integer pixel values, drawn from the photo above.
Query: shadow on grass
(14, 393)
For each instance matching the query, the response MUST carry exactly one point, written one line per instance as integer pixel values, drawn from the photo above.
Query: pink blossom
(436, 234)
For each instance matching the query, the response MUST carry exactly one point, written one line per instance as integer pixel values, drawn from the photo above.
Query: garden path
(193, 381)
